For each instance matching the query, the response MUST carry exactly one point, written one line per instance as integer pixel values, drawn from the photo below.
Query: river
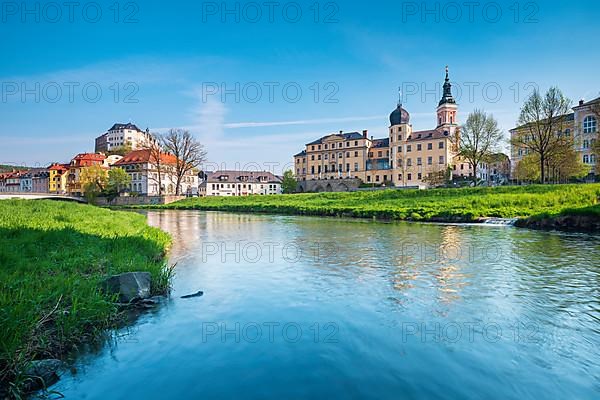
(329, 308)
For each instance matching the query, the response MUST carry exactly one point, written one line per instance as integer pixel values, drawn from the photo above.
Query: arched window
(590, 125)
(586, 159)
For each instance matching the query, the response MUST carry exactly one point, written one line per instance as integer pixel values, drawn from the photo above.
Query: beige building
(405, 158)
(581, 124)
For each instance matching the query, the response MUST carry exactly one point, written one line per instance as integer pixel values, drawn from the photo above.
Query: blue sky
(67, 74)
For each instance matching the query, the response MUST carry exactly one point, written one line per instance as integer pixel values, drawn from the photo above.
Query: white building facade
(144, 174)
(240, 183)
(122, 135)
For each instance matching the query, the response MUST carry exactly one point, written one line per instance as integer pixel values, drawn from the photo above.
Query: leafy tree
(438, 177)
(289, 183)
(527, 169)
(118, 180)
(93, 180)
(480, 138)
(120, 151)
(540, 121)
(188, 151)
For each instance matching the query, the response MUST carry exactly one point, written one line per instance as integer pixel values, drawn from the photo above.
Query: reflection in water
(371, 310)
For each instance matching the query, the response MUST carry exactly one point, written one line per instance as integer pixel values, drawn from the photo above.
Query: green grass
(52, 257)
(466, 204)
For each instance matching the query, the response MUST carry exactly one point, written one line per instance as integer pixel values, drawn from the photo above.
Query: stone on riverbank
(129, 286)
(43, 373)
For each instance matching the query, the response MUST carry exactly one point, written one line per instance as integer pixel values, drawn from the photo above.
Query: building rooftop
(144, 156)
(344, 136)
(242, 176)
(117, 127)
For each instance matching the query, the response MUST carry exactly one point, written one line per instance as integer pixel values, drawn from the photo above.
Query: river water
(301, 306)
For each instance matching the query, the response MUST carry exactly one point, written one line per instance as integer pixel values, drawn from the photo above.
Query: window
(567, 132)
(377, 178)
(399, 137)
(419, 162)
(590, 125)
(319, 157)
(379, 154)
(419, 176)
(429, 146)
(440, 145)
(399, 149)
(441, 159)
(355, 166)
(312, 157)
(586, 159)
(409, 177)
(419, 147)
(429, 160)
(347, 167)
(408, 148)
(356, 154)
(592, 159)
(368, 178)
(409, 162)
(586, 144)
(356, 143)
(347, 154)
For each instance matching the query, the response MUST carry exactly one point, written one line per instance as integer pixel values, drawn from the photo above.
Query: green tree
(527, 169)
(480, 138)
(93, 180)
(120, 151)
(118, 180)
(540, 121)
(289, 183)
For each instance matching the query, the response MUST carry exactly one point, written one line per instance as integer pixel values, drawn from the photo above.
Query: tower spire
(399, 96)
(447, 96)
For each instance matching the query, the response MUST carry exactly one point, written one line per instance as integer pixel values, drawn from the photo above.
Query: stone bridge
(41, 196)
(329, 185)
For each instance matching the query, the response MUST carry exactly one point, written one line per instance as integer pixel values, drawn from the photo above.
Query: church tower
(447, 109)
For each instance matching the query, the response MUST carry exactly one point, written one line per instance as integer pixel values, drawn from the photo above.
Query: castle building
(122, 135)
(405, 158)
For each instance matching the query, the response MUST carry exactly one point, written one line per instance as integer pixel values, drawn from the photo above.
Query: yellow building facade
(405, 158)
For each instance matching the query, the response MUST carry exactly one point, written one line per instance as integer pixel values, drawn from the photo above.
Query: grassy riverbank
(52, 257)
(466, 204)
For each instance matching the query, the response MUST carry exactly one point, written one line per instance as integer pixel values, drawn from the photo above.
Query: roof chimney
(371, 137)
(341, 132)
(581, 102)
(365, 133)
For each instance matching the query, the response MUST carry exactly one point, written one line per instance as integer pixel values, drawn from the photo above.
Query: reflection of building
(122, 135)
(240, 183)
(582, 125)
(403, 158)
(143, 169)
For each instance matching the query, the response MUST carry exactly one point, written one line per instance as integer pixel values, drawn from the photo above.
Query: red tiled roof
(143, 156)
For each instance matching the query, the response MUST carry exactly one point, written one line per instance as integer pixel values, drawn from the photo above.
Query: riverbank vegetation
(53, 256)
(449, 205)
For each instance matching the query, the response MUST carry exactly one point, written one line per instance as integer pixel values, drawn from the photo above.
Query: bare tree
(480, 138)
(189, 153)
(153, 145)
(541, 124)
